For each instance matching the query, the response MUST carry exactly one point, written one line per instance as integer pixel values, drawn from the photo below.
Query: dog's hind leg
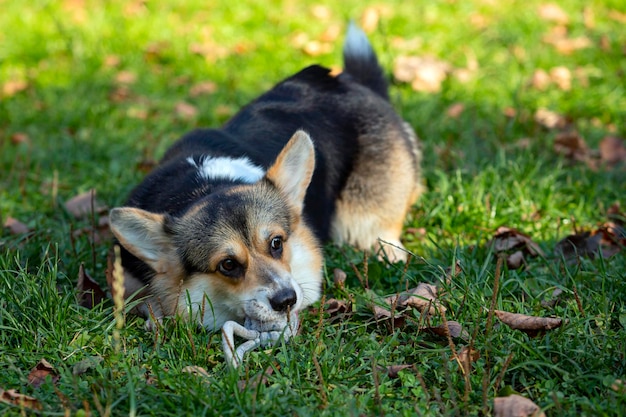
(379, 193)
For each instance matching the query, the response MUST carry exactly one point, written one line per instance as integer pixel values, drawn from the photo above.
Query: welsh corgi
(227, 230)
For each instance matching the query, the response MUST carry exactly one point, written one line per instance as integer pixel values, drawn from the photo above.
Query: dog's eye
(276, 246)
(228, 267)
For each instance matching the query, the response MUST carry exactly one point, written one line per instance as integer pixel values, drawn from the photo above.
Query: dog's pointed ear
(143, 234)
(293, 168)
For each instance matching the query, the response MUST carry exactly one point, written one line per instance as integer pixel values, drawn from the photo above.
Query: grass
(97, 91)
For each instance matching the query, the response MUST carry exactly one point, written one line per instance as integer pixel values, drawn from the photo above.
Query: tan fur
(377, 196)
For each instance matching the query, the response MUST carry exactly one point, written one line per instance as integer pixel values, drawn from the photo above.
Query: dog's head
(242, 253)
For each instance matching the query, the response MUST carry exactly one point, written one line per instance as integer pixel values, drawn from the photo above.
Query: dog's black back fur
(333, 110)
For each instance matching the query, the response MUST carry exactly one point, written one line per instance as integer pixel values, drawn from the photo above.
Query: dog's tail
(361, 63)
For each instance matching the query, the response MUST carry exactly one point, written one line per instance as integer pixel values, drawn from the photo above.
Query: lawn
(521, 108)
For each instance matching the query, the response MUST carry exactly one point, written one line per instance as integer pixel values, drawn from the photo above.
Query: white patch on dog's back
(238, 169)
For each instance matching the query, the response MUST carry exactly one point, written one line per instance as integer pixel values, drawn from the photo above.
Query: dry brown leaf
(422, 297)
(15, 226)
(553, 13)
(530, 325)
(125, 77)
(426, 74)
(18, 138)
(550, 119)
(20, 400)
(84, 204)
(612, 150)
(562, 77)
(565, 45)
(321, 12)
(540, 80)
(508, 239)
(339, 278)
(571, 146)
(40, 372)
(617, 16)
(185, 110)
(317, 48)
(336, 307)
(467, 356)
(196, 370)
(203, 88)
(455, 329)
(370, 19)
(11, 88)
(619, 386)
(89, 292)
(111, 61)
(331, 33)
(515, 406)
(455, 110)
(515, 260)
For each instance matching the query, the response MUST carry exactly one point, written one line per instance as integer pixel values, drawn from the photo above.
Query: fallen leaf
(90, 293)
(550, 119)
(562, 77)
(455, 329)
(515, 406)
(565, 45)
(84, 204)
(15, 398)
(203, 88)
(619, 386)
(571, 146)
(553, 13)
(455, 110)
(15, 226)
(468, 355)
(317, 48)
(331, 33)
(339, 278)
(125, 77)
(422, 297)
(185, 110)
(426, 74)
(321, 12)
(370, 19)
(515, 245)
(40, 372)
(608, 240)
(18, 138)
(11, 88)
(530, 325)
(83, 366)
(196, 370)
(120, 94)
(393, 370)
(617, 16)
(612, 150)
(336, 307)
(111, 61)
(515, 260)
(540, 80)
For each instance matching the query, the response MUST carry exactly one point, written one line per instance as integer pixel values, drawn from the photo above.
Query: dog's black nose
(283, 299)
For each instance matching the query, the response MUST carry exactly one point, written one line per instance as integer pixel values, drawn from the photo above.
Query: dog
(227, 230)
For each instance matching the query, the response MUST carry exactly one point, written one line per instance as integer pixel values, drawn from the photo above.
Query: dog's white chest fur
(236, 169)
